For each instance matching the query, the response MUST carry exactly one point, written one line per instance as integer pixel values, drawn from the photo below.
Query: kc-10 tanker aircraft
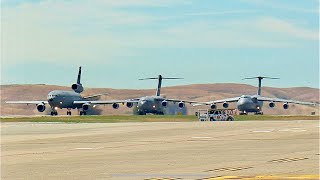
(59, 99)
(253, 103)
(150, 104)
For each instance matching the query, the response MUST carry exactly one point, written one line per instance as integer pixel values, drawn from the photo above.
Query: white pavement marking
(201, 137)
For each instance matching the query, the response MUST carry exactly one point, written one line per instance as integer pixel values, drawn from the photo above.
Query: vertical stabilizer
(78, 88)
(159, 78)
(79, 76)
(260, 82)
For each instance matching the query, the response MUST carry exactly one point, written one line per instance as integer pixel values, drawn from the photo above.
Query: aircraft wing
(107, 102)
(285, 101)
(94, 96)
(179, 100)
(229, 100)
(27, 102)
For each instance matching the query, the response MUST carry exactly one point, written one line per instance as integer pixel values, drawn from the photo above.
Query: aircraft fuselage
(64, 99)
(249, 104)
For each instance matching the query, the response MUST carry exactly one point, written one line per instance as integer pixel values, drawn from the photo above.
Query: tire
(52, 113)
(230, 119)
(81, 113)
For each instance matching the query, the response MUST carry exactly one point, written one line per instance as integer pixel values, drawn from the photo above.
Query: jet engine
(41, 107)
(181, 104)
(272, 104)
(285, 106)
(115, 105)
(164, 103)
(225, 105)
(129, 104)
(86, 106)
(77, 88)
(213, 106)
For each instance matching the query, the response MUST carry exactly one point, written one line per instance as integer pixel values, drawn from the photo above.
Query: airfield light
(154, 106)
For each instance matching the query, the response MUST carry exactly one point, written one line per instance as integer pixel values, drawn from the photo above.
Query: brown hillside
(197, 92)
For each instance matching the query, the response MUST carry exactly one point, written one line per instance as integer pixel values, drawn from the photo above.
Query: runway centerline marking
(201, 137)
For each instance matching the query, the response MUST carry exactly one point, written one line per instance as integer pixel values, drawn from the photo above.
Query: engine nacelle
(164, 103)
(285, 106)
(225, 105)
(115, 105)
(41, 107)
(213, 106)
(272, 104)
(86, 106)
(77, 88)
(181, 104)
(129, 104)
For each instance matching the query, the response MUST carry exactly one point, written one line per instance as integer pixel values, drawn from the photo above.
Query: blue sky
(117, 42)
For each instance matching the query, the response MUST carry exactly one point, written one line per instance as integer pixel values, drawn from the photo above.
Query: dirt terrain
(197, 92)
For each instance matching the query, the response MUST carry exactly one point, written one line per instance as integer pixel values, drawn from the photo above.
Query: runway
(184, 150)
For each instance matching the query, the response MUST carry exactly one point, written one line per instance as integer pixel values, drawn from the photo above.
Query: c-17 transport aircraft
(150, 104)
(253, 103)
(59, 99)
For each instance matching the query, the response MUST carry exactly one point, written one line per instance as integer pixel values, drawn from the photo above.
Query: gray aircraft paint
(59, 99)
(254, 103)
(153, 104)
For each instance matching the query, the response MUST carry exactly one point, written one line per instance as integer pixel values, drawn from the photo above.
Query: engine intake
(115, 105)
(86, 107)
(213, 106)
(41, 107)
(272, 104)
(77, 88)
(129, 104)
(285, 106)
(164, 103)
(181, 104)
(225, 105)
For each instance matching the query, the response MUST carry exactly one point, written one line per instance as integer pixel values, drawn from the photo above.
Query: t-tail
(78, 88)
(159, 78)
(260, 80)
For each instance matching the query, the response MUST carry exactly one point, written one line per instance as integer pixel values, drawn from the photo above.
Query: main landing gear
(243, 113)
(83, 113)
(69, 112)
(54, 113)
(258, 113)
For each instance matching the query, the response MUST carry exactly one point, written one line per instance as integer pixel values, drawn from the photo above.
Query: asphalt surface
(186, 150)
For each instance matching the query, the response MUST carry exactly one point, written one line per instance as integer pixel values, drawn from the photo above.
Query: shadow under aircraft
(156, 104)
(253, 103)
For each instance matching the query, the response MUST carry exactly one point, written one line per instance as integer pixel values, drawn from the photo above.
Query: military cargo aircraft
(59, 99)
(149, 104)
(253, 103)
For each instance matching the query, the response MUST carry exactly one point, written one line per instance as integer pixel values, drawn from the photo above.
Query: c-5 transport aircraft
(59, 99)
(253, 103)
(150, 104)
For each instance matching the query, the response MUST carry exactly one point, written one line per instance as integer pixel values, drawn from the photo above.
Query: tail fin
(79, 76)
(159, 78)
(260, 79)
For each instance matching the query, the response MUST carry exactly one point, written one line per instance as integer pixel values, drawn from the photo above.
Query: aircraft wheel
(81, 113)
(52, 113)
(69, 113)
(84, 113)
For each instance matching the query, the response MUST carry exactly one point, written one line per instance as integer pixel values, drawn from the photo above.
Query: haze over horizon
(118, 42)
